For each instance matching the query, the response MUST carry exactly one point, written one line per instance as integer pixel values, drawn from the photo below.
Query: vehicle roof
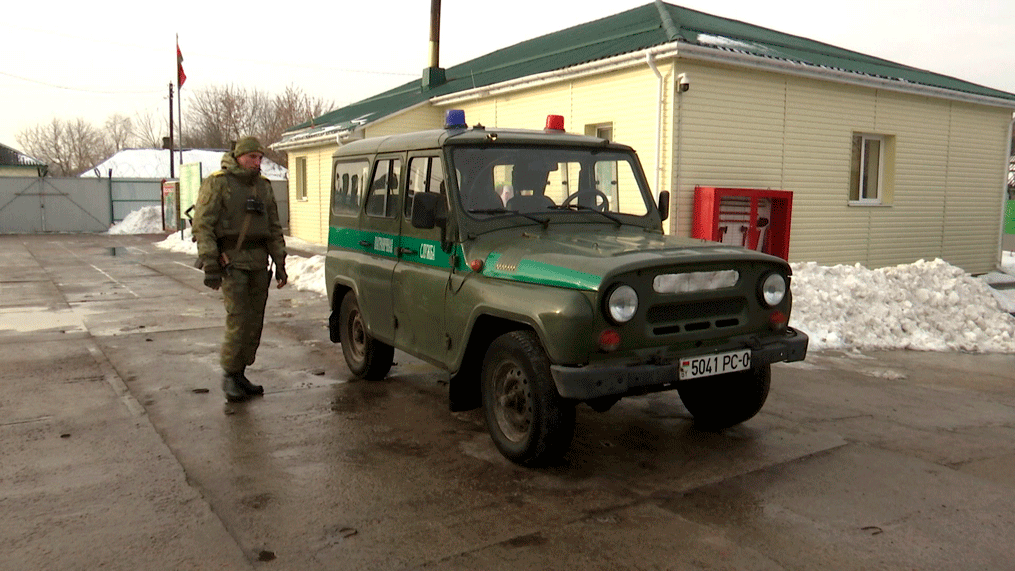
(436, 138)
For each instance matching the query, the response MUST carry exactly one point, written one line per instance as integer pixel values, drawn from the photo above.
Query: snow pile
(147, 220)
(306, 274)
(180, 242)
(924, 306)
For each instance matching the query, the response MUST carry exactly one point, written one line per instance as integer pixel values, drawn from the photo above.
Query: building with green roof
(886, 163)
(16, 163)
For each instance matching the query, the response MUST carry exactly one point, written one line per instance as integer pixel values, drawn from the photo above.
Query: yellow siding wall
(308, 219)
(626, 99)
(973, 216)
(417, 119)
(742, 128)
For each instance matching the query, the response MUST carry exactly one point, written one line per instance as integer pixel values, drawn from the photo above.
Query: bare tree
(120, 132)
(68, 147)
(293, 107)
(215, 118)
(148, 128)
(218, 116)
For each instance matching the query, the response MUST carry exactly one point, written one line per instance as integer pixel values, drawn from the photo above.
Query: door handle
(407, 252)
(366, 243)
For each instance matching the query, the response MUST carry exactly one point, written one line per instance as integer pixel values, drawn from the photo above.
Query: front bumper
(613, 379)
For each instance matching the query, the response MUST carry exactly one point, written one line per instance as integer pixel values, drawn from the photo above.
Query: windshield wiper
(584, 208)
(545, 223)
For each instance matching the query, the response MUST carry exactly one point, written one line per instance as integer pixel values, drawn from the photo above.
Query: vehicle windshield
(528, 180)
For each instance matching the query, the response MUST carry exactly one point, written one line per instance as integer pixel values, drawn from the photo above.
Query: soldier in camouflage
(237, 230)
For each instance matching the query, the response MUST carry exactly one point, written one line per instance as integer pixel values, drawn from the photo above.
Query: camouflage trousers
(245, 293)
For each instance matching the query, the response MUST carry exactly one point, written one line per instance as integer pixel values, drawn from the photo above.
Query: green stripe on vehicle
(544, 274)
(417, 250)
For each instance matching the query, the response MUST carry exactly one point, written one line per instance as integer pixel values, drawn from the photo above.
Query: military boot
(232, 388)
(248, 387)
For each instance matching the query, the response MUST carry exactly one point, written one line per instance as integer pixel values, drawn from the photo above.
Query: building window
(868, 170)
(601, 130)
(301, 178)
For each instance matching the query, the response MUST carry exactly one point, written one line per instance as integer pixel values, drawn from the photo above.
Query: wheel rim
(357, 336)
(513, 396)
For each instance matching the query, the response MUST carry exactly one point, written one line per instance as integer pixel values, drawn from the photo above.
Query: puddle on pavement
(124, 251)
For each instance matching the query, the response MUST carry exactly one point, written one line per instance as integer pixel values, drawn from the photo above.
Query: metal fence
(32, 205)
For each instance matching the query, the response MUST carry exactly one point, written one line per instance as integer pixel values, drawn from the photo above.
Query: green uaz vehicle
(533, 268)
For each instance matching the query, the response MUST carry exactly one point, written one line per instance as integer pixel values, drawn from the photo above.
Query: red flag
(180, 76)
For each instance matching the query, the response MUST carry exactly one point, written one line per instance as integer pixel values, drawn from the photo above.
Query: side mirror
(428, 210)
(664, 205)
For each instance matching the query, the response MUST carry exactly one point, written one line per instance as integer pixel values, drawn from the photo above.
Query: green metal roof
(631, 31)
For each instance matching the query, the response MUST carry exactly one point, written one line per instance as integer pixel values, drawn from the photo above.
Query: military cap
(247, 145)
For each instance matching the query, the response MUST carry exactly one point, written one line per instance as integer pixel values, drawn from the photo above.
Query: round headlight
(773, 289)
(622, 303)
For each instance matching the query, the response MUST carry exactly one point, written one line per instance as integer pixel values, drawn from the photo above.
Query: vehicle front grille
(689, 317)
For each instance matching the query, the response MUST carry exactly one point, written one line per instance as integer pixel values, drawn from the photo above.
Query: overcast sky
(92, 59)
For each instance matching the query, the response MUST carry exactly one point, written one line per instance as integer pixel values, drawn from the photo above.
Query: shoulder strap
(246, 220)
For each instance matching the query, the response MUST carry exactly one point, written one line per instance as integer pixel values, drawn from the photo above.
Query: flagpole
(179, 94)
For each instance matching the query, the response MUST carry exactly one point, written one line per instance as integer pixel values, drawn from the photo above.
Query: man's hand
(212, 275)
(280, 276)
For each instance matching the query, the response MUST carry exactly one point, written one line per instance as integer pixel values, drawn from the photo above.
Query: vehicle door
(378, 238)
(348, 184)
(422, 272)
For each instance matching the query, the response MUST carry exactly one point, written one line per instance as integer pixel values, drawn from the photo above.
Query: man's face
(250, 161)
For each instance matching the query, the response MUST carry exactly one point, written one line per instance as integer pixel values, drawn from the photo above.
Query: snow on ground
(923, 306)
(147, 220)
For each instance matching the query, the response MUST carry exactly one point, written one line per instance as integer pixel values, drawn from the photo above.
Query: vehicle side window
(347, 185)
(426, 174)
(383, 198)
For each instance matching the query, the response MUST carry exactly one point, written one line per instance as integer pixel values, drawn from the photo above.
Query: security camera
(683, 83)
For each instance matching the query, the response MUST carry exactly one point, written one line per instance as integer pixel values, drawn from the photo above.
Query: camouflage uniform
(226, 200)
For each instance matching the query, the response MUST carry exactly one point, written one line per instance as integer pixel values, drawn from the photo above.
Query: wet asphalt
(119, 452)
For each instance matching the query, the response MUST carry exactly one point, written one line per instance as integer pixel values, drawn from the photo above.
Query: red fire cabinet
(752, 218)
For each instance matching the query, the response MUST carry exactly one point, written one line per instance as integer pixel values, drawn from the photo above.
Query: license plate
(718, 364)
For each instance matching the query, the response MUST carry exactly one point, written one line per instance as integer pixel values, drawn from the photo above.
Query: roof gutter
(660, 96)
(1004, 193)
(715, 55)
(679, 49)
(336, 135)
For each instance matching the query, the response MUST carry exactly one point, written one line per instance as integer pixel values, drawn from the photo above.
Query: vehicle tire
(528, 421)
(366, 357)
(725, 400)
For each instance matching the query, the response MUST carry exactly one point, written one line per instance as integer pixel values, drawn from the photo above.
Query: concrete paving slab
(884, 511)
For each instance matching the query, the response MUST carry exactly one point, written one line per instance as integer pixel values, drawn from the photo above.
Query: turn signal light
(609, 340)
(476, 265)
(777, 320)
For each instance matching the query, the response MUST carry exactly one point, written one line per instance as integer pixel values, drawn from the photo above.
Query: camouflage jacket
(226, 199)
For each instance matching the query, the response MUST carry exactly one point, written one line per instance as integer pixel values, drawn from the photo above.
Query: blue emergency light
(455, 119)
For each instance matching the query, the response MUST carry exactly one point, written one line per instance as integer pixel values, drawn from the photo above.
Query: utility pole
(172, 171)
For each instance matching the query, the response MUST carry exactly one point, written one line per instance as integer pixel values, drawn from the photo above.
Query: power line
(86, 90)
(189, 54)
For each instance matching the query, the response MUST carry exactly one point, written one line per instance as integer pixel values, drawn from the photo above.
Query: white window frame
(879, 188)
(301, 179)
